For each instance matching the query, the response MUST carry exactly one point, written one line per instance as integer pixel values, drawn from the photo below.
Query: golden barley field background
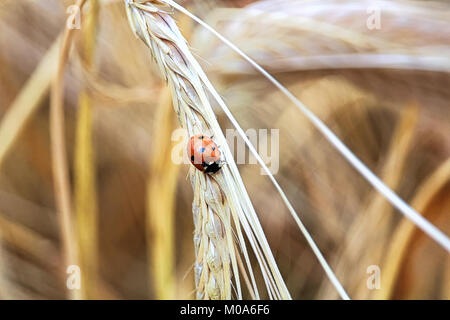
(384, 91)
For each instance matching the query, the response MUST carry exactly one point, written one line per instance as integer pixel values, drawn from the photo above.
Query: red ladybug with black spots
(204, 154)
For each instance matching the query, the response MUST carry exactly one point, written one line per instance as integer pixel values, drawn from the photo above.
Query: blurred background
(376, 72)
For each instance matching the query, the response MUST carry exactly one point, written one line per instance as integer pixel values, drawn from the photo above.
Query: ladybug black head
(213, 167)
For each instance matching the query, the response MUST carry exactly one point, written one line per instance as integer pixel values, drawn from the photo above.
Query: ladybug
(204, 153)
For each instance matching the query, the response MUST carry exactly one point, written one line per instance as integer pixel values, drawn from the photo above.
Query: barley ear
(221, 205)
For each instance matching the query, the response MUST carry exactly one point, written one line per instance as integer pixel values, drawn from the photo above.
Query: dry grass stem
(377, 214)
(84, 167)
(161, 197)
(28, 100)
(59, 157)
(399, 245)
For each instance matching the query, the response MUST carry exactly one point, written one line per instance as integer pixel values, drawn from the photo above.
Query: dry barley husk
(212, 267)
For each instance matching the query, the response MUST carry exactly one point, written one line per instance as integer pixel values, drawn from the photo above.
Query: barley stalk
(220, 201)
(161, 196)
(59, 157)
(27, 102)
(401, 241)
(86, 210)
